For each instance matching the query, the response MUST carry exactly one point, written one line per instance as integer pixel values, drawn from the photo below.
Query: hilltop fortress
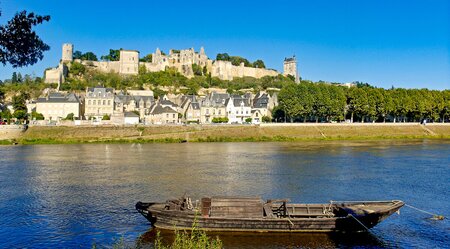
(182, 60)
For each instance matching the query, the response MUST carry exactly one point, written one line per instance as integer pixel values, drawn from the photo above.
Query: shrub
(248, 120)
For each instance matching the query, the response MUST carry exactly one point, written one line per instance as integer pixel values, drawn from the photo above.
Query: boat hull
(176, 219)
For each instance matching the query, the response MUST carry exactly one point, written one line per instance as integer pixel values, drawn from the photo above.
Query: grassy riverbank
(227, 133)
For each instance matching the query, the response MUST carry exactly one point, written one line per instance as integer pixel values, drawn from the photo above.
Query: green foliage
(259, 64)
(37, 116)
(14, 78)
(114, 55)
(77, 69)
(220, 120)
(20, 114)
(19, 102)
(147, 58)
(266, 119)
(106, 117)
(248, 120)
(198, 70)
(89, 56)
(69, 116)
(77, 55)
(19, 44)
(237, 60)
(196, 239)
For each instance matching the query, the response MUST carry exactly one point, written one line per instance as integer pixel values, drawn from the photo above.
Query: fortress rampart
(182, 60)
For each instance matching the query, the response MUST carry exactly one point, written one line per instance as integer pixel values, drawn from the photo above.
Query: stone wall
(10, 131)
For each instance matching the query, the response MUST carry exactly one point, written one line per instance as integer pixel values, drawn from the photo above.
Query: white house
(238, 109)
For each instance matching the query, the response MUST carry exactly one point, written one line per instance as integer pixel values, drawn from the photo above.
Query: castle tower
(67, 52)
(290, 68)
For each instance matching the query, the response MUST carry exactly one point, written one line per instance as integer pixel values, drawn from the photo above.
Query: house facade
(56, 106)
(99, 101)
(238, 109)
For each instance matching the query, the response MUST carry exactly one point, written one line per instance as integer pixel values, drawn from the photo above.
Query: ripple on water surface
(77, 195)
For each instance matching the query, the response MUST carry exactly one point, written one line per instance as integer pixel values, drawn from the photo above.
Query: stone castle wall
(182, 60)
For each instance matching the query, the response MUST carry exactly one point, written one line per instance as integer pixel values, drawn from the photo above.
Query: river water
(54, 196)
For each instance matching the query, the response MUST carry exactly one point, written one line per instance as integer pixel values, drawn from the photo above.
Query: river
(55, 196)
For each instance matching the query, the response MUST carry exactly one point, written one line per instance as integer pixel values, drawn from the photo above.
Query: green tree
(19, 44)
(106, 117)
(19, 102)
(89, 56)
(223, 57)
(20, 114)
(77, 55)
(114, 55)
(69, 116)
(259, 64)
(248, 120)
(19, 78)
(197, 70)
(147, 58)
(77, 69)
(37, 116)
(14, 77)
(266, 119)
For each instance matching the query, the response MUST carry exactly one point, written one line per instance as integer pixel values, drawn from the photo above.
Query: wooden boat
(251, 214)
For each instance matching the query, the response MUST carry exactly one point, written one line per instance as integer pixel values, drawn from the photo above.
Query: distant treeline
(324, 102)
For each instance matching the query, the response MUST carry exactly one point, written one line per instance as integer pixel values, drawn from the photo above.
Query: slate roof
(158, 109)
(99, 89)
(59, 98)
(261, 101)
(167, 102)
(131, 115)
(237, 102)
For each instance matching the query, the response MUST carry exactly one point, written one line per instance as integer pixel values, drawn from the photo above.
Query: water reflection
(281, 240)
(75, 195)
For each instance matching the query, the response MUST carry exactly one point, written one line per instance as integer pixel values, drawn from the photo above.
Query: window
(207, 111)
(220, 112)
(174, 115)
(109, 102)
(256, 114)
(89, 102)
(167, 115)
(237, 112)
(104, 102)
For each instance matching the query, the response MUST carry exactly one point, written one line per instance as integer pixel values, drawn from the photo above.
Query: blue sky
(385, 43)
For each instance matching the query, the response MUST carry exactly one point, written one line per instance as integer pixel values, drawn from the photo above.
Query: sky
(384, 43)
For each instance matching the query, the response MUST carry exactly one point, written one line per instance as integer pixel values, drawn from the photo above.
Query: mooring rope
(359, 222)
(435, 216)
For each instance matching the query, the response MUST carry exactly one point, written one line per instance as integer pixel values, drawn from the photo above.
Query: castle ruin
(181, 60)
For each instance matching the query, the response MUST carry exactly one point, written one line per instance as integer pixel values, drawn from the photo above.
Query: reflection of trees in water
(278, 240)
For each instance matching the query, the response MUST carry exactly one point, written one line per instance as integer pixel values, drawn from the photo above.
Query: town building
(56, 106)
(99, 101)
(238, 109)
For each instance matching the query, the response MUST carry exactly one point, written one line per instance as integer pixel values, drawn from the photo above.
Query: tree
(69, 116)
(223, 57)
(37, 115)
(77, 69)
(14, 77)
(147, 58)
(89, 56)
(259, 64)
(266, 119)
(20, 114)
(106, 117)
(19, 78)
(114, 55)
(19, 102)
(197, 69)
(77, 55)
(248, 120)
(19, 44)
